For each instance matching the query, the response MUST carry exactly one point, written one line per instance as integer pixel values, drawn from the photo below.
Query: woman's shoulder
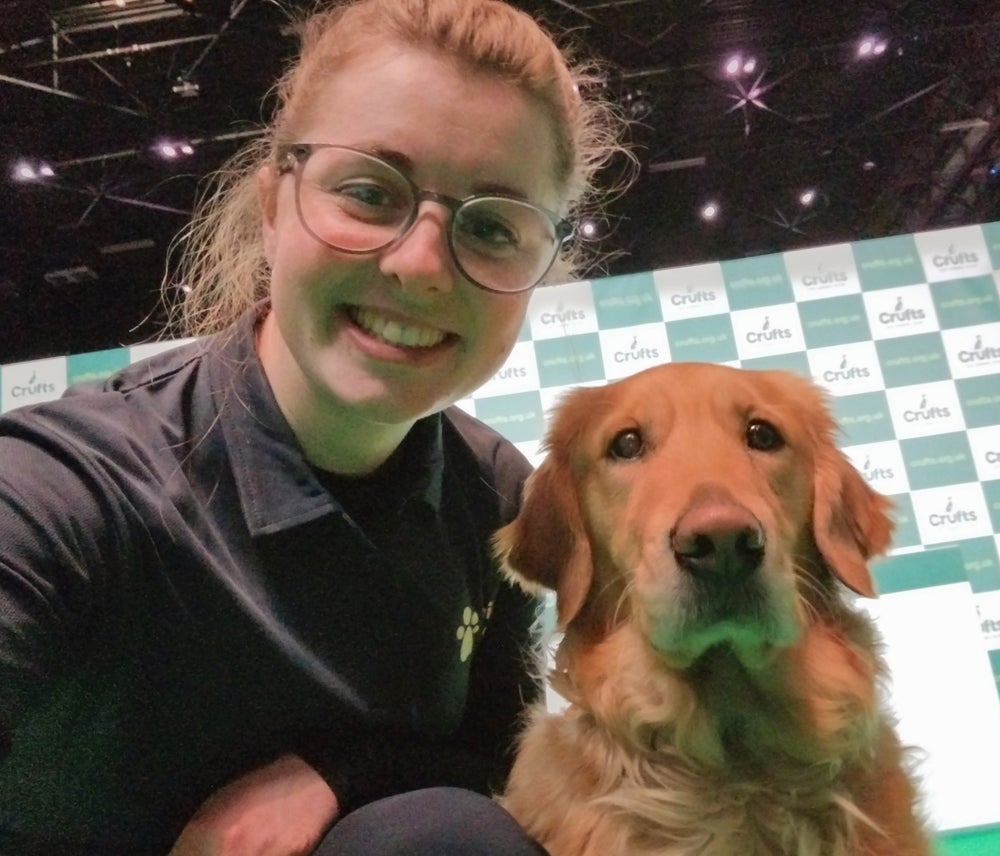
(133, 403)
(502, 466)
(486, 443)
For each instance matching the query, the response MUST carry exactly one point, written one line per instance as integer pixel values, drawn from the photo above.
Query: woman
(247, 598)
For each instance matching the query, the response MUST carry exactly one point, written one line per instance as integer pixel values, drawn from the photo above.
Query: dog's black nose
(718, 538)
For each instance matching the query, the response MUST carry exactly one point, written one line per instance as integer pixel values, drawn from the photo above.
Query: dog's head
(707, 501)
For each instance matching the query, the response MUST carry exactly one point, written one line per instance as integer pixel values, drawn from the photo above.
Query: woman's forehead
(438, 114)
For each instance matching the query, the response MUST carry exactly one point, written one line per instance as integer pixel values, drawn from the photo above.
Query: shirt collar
(276, 485)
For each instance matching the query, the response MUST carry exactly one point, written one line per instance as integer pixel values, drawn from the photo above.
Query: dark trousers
(432, 822)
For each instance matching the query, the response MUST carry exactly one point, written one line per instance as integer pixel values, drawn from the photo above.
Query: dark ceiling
(901, 141)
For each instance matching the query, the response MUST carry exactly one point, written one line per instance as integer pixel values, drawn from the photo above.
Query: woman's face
(397, 334)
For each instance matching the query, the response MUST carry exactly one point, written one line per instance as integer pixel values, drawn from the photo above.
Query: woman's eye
(763, 436)
(366, 193)
(626, 445)
(489, 233)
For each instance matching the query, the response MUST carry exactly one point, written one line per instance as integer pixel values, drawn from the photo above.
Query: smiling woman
(259, 566)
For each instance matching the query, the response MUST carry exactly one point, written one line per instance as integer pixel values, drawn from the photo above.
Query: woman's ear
(267, 202)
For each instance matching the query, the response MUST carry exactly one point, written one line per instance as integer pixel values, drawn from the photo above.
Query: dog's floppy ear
(546, 545)
(850, 520)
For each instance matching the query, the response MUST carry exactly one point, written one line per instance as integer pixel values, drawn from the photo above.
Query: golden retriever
(698, 525)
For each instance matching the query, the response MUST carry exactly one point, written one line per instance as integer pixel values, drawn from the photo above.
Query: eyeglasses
(355, 202)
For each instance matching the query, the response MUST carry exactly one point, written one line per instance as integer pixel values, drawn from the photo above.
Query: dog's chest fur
(656, 802)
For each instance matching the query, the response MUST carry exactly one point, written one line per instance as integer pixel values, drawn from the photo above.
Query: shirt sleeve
(53, 535)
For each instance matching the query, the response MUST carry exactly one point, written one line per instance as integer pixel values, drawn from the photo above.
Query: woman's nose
(421, 258)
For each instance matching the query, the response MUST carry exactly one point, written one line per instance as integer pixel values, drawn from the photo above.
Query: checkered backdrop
(904, 333)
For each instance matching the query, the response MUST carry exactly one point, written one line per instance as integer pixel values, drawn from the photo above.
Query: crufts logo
(693, 296)
(824, 278)
(32, 387)
(562, 315)
(511, 372)
(873, 473)
(952, 515)
(636, 353)
(901, 314)
(767, 333)
(845, 372)
(953, 258)
(925, 412)
(979, 353)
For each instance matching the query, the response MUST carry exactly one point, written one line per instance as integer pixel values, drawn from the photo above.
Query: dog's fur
(723, 692)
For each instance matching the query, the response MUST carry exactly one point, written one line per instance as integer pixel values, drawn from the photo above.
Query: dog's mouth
(749, 618)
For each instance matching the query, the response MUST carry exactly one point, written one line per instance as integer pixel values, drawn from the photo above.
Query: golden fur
(723, 692)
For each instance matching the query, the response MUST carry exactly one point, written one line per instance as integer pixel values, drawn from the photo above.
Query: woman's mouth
(394, 332)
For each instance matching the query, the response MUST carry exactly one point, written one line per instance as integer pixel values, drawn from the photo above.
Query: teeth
(393, 332)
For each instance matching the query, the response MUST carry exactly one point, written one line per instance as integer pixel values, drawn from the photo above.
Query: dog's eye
(626, 444)
(763, 436)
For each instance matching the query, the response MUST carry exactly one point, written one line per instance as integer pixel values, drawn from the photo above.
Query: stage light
(31, 170)
(171, 150)
(709, 211)
(738, 65)
(807, 197)
(637, 104)
(185, 88)
(870, 46)
(588, 229)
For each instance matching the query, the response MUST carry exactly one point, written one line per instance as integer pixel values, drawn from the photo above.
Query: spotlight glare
(30, 169)
(24, 171)
(870, 46)
(733, 65)
(709, 211)
(588, 228)
(171, 150)
(807, 197)
(750, 66)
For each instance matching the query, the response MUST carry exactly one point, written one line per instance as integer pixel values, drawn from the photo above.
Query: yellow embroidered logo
(466, 633)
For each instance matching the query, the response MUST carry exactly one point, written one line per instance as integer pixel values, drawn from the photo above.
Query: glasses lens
(359, 203)
(352, 201)
(503, 244)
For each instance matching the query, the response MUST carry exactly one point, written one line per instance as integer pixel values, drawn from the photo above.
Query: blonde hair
(221, 266)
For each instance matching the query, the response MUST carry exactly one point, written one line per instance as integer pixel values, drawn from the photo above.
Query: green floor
(983, 843)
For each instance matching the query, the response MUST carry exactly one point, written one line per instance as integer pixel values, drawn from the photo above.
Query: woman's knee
(435, 822)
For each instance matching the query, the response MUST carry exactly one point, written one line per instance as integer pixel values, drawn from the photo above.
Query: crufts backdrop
(904, 333)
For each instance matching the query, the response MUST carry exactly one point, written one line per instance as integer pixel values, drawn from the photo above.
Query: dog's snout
(718, 538)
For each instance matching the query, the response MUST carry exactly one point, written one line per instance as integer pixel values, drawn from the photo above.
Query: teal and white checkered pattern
(904, 333)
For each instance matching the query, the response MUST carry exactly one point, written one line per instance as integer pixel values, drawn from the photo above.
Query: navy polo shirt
(183, 598)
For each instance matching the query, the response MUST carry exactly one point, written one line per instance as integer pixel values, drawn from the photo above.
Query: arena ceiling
(886, 110)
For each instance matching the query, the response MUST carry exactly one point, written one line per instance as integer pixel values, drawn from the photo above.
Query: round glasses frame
(296, 154)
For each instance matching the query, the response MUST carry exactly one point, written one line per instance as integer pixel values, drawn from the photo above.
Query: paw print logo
(467, 632)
